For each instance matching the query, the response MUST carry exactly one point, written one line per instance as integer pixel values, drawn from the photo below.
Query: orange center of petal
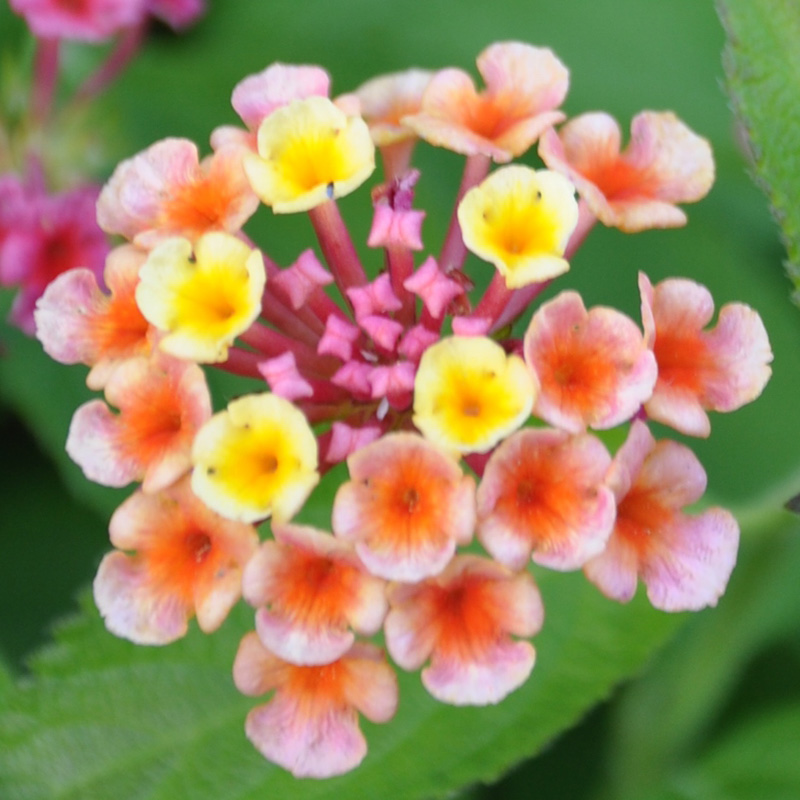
(489, 116)
(121, 328)
(314, 589)
(179, 559)
(579, 374)
(408, 507)
(318, 688)
(152, 423)
(620, 181)
(467, 617)
(198, 206)
(683, 360)
(538, 503)
(639, 517)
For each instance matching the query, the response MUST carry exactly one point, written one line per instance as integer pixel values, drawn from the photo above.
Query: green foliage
(103, 718)
(762, 62)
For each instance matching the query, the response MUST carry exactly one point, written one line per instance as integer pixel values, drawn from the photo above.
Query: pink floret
(180, 560)
(701, 370)
(310, 725)
(684, 561)
(162, 404)
(639, 187)
(78, 323)
(463, 621)
(312, 593)
(594, 367)
(543, 494)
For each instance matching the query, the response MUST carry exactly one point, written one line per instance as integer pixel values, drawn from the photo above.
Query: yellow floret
(468, 394)
(520, 220)
(202, 296)
(309, 152)
(256, 459)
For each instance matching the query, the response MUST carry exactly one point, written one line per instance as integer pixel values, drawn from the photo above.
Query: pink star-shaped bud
(339, 338)
(433, 286)
(283, 377)
(299, 281)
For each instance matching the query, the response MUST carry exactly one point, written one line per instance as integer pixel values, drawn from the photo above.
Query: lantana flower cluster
(470, 452)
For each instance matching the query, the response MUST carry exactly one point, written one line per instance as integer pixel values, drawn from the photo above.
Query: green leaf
(103, 718)
(755, 759)
(692, 679)
(762, 60)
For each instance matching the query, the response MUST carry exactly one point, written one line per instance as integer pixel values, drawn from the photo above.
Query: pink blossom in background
(42, 236)
(178, 14)
(83, 20)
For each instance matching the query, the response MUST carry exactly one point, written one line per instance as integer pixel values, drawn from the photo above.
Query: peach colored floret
(167, 191)
(312, 593)
(310, 725)
(684, 561)
(720, 369)
(463, 621)
(77, 323)
(665, 163)
(385, 100)
(180, 560)
(594, 367)
(542, 492)
(524, 87)
(162, 404)
(255, 97)
(406, 507)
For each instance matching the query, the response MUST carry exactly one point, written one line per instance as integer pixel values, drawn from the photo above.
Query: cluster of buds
(469, 452)
(47, 209)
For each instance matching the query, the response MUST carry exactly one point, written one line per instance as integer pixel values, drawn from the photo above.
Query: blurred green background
(715, 713)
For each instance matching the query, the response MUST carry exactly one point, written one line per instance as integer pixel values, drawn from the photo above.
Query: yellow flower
(203, 297)
(468, 394)
(308, 153)
(256, 459)
(520, 220)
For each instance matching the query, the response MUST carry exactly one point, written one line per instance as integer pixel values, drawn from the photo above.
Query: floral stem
(586, 221)
(270, 344)
(127, 46)
(494, 300)
(287, 321)
(400, 262)
(396, 158)
(241, 362)
(45, 78)
(453, 250)
(337, 247)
